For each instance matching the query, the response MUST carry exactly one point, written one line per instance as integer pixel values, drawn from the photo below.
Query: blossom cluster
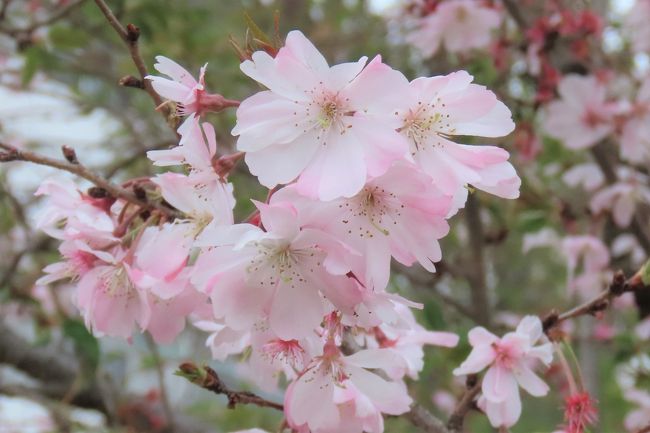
(362, 167)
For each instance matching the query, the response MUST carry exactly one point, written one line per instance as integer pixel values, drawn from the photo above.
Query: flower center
(421, 123)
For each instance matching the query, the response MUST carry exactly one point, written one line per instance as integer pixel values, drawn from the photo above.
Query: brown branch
(465, 404)
(617, 287)
(645, 429)
(130, 35)
(478, 284)
(13, 154)
(208, 379)
(515, 13)
(424, 420)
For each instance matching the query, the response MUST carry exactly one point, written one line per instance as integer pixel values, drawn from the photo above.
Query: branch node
(131, 81)
(97, 192)
(132, 33)
(69, 154)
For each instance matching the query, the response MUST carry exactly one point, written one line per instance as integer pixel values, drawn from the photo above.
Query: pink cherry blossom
(642, 330)
(109, 300)
(640, 416)
(636, 25)
(586, 175)
(582, 116)
(627, 244)
(400, 213)
(280, 273)
(205, 199)
(222, 340)
(587, 250)
(622, 198)
(438, 108)
(184, 89)
(635, 144)
(459, 26)
(330, 127)
(168, 315)
(79, 258)
(407, 339)
(197, 147)
(509, 359)
(338, 393)
(85, 218)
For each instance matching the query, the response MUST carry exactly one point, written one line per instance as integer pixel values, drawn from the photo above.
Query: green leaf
(645, 273)
(85, 344)
(532, 221)
(34, 59)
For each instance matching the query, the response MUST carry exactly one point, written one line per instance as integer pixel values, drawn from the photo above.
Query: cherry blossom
(280, 273)
(635, 145)
(635, 25)
(458, 26)
(109, 300)
(582, 116)
(509, 359)
(183, 88)
(400, 213)
(436, 109)
(622, 198)
(330, 127)
(338, 393)
(586, 175)
(639, 417)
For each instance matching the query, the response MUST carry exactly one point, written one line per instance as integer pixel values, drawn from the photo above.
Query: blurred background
(60, 63)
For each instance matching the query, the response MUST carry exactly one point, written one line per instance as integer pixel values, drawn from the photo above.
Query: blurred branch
(516, 14)
(465, 404)
(425, 420)
(55, 369)
(478, 284)
(208, 379)
(164, 396)
(57, 15)
(13, 154)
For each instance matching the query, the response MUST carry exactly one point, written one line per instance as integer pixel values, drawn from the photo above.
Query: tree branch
(208, 379)
(476, 278)
(130, 35)
(13, 154)
(465, 404)
(425, 420)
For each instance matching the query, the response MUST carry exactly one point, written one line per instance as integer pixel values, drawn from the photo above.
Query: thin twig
(601, 302)
(464, 405)
(164, 396)
(516, 14)
(207, 378)
(477, 280)
(425, 420)
(130, 35)
(14, 154)
(59, 14)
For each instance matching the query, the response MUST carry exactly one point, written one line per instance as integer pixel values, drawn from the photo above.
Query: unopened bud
(69, 154)
(131, 81)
